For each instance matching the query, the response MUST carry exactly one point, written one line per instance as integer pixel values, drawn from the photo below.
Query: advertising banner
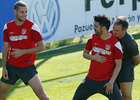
(64, 19)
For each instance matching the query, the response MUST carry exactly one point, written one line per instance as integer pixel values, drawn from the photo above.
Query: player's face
(118, 31)
(97, 28)
(21, 14)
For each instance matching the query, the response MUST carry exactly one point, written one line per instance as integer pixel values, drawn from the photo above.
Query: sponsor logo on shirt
(95, 43)
(16, 38)
(107, 47)
(11, 32)
(96, 49)
(23, 31)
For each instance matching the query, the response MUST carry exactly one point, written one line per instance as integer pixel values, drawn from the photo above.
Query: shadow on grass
(47, 55)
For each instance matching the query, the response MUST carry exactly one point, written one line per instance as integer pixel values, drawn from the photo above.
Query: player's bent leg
(126, 90)
(36, 85)
(84, 90)
(4, 89)
(81, 93)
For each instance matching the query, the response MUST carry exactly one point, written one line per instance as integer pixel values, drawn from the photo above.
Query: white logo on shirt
(16, 38)
(95, 43)
(96, 49)
(11, 32)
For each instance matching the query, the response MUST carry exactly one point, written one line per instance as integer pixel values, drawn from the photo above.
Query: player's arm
(95, 57)
(109, 85)
(19, 52)
(134, 52)
(5, 51)
(86, 55)
(118, 56)
(136, 59)
(39, 47)
(117, 69)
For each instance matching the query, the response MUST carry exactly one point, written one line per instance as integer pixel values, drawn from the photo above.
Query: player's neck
(105, 36)
(18, 23)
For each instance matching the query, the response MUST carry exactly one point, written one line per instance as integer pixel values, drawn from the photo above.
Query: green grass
(61, 71)
(135, 28)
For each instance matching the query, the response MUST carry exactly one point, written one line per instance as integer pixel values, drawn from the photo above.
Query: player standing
(106, 52)
(130, 54)
(22, 40)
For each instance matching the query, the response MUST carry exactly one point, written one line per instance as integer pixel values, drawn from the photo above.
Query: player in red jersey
(22, 40)
(106, 52)
(130, 54)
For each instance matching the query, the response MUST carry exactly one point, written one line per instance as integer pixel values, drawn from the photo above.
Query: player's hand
(5, 74)
(99, 58)
(17, 53)
(109, 88)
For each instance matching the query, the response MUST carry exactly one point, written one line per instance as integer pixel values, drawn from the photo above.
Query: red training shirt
(21, 37)
(111, 49)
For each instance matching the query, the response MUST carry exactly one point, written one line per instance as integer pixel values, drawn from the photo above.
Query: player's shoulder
(10, 22)
(114, 39)
(129, 39)
(129, 36)
(29, 22)
(92, 36)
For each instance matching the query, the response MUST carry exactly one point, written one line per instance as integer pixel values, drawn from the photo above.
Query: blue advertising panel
(6, 14)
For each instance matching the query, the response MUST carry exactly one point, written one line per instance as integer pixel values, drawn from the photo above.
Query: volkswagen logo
(46, 14)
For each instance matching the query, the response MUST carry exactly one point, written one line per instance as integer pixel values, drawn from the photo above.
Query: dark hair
(19, 3)
(122, 20)
(103, 20)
